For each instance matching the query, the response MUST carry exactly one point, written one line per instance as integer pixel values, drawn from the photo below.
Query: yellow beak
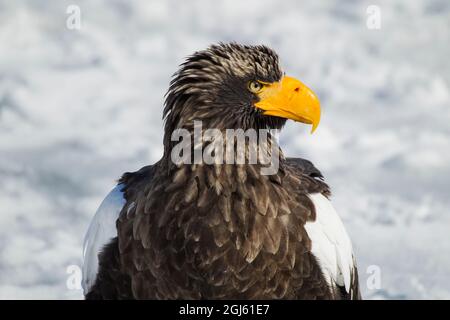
(290, 99)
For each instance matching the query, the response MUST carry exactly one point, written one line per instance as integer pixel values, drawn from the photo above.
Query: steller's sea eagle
(182, 230)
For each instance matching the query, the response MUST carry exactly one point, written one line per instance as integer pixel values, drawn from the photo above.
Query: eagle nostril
(297, 89)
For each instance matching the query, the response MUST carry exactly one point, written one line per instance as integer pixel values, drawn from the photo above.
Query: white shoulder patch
(101, 230)
(330, 243)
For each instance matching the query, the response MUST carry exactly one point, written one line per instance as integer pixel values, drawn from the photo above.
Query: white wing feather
(101, 230)
(330, 243)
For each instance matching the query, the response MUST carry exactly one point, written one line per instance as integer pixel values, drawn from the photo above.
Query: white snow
(80, 107)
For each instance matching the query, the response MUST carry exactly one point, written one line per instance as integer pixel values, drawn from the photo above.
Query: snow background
(80, 107)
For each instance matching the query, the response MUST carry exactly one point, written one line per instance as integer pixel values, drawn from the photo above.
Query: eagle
(198, 230)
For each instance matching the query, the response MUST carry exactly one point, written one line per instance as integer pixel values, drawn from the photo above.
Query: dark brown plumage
(217, 231)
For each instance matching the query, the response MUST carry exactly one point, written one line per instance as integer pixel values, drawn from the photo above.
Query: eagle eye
(255, 86)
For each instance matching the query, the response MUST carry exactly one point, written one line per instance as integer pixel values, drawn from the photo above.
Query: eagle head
(233, 86)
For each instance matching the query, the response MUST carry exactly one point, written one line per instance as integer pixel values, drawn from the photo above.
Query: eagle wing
(330, 243)
(101, 231)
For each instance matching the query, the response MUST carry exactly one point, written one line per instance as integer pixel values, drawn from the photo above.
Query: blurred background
(80, 106)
